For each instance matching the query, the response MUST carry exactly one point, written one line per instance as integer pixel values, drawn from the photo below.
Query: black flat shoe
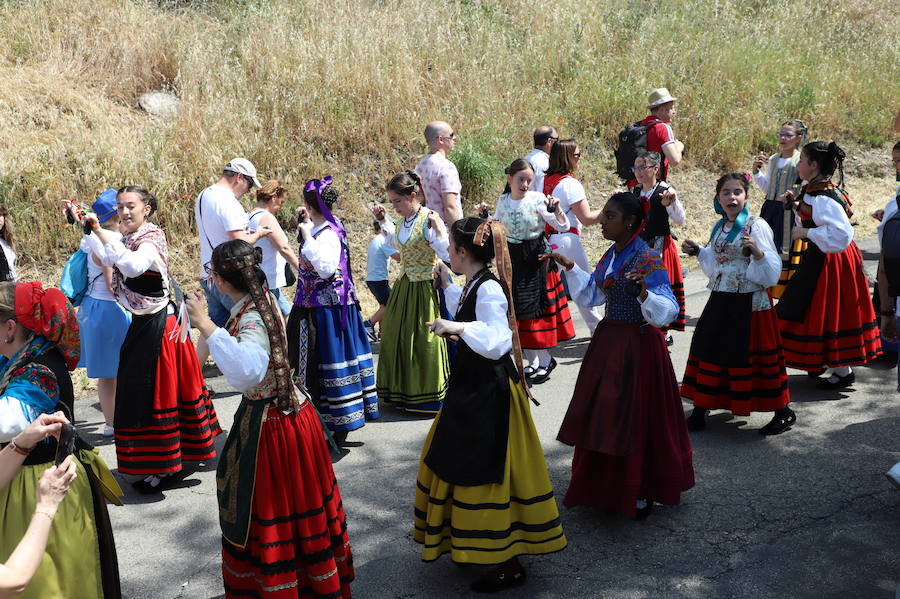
(643, 512)
(842, 382)
(340, 437)
(144, 487)
(697, 420)
(781, 421)
(551, 365)
(498, 581)
(670, 340)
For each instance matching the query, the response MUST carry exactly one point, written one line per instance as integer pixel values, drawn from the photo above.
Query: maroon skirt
(627, 423)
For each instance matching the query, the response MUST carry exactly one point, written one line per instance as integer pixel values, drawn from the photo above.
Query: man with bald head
(539, 157)
(440, 179)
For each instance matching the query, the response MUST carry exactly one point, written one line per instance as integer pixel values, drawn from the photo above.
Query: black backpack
(632, 139)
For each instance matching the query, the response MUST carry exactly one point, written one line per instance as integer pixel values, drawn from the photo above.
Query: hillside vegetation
(345, 87)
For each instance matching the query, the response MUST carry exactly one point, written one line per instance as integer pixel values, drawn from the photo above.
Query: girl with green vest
(412, 365)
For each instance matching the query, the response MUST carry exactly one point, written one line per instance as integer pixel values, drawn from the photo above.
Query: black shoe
(643, 512)
(498, 581)
(814, 374)
(340, 437)
(697, 420)
(144, 486)
(551, 365)
(781, 421)
(669, 340)
(528, 371)
(842, 382)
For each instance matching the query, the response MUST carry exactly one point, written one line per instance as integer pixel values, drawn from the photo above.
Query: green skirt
(412, 363)
(71, 566)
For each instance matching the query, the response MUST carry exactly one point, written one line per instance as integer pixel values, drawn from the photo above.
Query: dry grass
(307, 88)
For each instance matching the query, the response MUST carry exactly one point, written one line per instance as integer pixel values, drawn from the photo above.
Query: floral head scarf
(48, 313)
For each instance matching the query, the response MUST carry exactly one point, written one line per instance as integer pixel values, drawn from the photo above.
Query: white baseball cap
(242, 166)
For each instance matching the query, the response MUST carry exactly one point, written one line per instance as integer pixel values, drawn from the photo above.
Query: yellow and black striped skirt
(798, 248)
(490, 524)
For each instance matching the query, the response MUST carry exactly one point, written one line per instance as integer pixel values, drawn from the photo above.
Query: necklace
(409, 220)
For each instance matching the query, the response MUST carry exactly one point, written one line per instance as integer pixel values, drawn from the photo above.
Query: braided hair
(405, 184)
(237, 262)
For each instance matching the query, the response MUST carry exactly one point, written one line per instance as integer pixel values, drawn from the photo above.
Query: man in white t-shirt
(539, 157)
(440, 179)
(220, 218)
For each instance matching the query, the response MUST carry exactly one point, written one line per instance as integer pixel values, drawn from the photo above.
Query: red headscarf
(47, 312)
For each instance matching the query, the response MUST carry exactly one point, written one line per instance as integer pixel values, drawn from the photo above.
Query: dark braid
(463, 234)
(237, 262)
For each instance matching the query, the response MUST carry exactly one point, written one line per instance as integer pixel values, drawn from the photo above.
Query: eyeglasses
(552, 139)
(577, 154)
(452, 136)
(640, 169)
(787, 135)
(208, 269)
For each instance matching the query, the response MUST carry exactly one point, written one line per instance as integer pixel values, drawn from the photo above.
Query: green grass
(307, 88)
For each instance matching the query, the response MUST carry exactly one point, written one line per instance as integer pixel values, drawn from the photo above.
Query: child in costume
(736, 362)
(780, 176)
(483, 492)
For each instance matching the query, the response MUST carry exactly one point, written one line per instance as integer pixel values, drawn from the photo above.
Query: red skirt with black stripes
(839, 328)
(676, 278)
(297, 543)
(760, 385)
(183, 423)
(555, 325)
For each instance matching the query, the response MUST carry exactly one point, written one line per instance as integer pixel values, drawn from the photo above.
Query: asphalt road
(804, 514)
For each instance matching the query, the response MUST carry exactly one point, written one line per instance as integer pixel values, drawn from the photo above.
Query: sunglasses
(577, 154)
(640, 169)
(787, 135)
(452, 136)
(208, 269)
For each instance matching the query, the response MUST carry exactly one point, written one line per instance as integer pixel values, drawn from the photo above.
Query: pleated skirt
(676, 279)
(627, 423)
(413, 368)
(343, 365)
(102, 326)
(490, 524)
(839, 328)
(298, 544)
(183, 422)
(555, 325)
(761, 385)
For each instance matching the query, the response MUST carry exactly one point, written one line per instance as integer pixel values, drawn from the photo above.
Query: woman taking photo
(39, 347)
(280, 510)
(327, 341)
(163, 411)
(413, 366)
(278, 255)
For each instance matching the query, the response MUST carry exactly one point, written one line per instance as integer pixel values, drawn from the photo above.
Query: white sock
(531, 357)
(842, 371)
(641, 504)
(544, 358)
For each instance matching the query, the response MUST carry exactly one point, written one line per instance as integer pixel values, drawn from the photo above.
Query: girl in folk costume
(625, 418)
(413, 366)
(778, 174)
(560, 183)
(327, 341)
(163, 411)
(542, 311)
(660, 203)
(736, 362)
(38, 349)
(825, 313)
(284, 532)
(483, 492)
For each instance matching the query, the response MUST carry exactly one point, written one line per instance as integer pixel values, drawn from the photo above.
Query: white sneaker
(108, 431)
(893, 475)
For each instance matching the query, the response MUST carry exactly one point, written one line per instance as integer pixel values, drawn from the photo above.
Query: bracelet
(890, 312)
(19, 449)
(48, 514)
